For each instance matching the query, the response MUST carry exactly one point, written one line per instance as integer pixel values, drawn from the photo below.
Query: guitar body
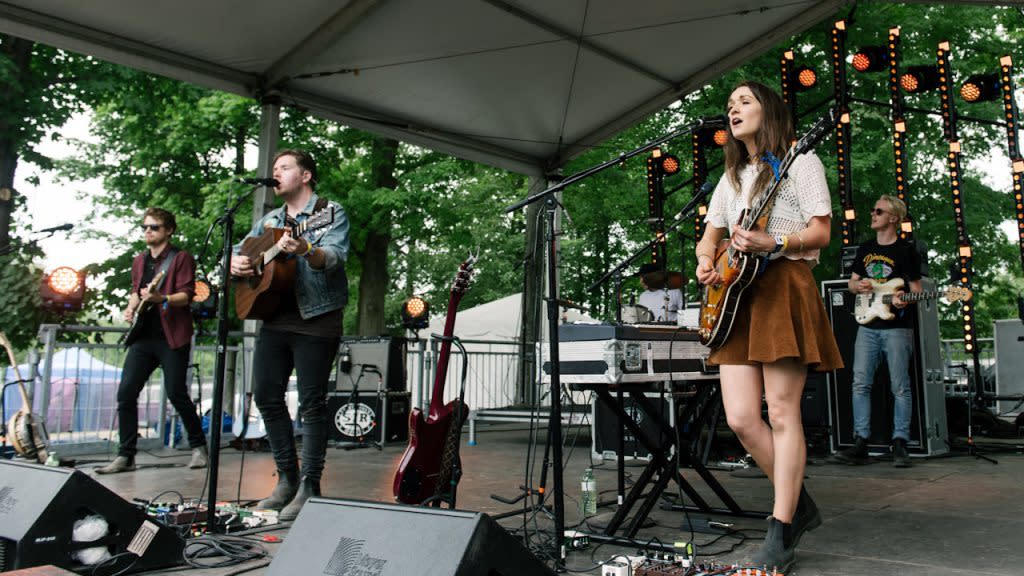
(877, 305)
(719, 302)
(422, 473)
(257, 297)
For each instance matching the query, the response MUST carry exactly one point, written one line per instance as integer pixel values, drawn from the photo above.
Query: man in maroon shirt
(163, 337)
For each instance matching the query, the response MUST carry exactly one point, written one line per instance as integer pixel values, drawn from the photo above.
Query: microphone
(706, 189)
(715, 121)
(259, 181)
(61, 228)
(346, 359)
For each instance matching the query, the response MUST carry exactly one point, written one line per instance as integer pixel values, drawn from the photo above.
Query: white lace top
(802, 196)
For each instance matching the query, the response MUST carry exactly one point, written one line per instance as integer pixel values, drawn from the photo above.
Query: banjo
(25, 430)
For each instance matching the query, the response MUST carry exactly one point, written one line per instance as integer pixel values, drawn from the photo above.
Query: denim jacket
(316, 291)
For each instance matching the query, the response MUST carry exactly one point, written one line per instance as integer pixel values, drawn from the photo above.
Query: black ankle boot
(307, 490)
(806, 518)
(777, 551)
(284, 492)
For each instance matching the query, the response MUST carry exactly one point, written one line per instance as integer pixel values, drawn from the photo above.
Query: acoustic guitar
(877, 304)
(424, 473)
(257, 297)
(719, 302)
(25, 430)
(135, 330)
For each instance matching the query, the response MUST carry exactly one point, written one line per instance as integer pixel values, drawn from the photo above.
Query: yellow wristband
(785, 243)
(309, 248)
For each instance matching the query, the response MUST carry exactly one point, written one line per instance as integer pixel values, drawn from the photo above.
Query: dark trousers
(276, 355)
(142, 359)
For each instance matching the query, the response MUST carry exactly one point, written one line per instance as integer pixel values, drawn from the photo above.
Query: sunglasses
(153, 227)
(878, 211)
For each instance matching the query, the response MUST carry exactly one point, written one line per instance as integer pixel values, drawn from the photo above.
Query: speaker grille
(6, 554)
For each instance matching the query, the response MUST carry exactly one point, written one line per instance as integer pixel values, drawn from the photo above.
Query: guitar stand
(353, 397)
(527, 492)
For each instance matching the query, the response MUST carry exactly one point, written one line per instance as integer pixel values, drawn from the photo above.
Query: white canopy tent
(520, 84)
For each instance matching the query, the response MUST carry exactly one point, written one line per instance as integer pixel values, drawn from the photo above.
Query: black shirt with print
(885, 262)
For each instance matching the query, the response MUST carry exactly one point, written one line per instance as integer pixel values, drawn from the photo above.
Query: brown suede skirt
(781, 316)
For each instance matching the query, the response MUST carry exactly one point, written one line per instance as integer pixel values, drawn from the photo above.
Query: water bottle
(588, 494)
(52, 460)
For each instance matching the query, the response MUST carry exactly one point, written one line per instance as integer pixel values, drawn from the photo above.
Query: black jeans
(276, 354)
(142, 359)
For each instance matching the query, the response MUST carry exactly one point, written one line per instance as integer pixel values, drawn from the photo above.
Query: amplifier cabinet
(606, 428)
(384, 353)
(378, 417)
(928, 432)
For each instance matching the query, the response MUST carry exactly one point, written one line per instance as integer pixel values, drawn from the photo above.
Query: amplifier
(385, 354)
(378, 417)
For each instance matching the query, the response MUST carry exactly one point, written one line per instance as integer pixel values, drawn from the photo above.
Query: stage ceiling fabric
(519, 84)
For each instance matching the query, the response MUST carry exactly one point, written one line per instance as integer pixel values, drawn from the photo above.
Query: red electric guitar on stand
(425, 474)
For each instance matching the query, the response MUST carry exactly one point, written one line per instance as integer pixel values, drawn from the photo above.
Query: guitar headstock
(822, 127)
(318, 219)
(957, 293)
(462, 278)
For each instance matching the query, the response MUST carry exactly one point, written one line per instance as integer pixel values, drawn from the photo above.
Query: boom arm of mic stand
(688, 129)
(685, 214)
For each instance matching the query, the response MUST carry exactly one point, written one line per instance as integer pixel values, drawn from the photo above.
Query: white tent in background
(494, 326)
(494, 320)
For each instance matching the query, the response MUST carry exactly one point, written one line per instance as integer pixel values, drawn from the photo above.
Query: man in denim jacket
(303, 334)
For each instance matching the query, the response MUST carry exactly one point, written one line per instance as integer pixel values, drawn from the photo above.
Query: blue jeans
(897, 345)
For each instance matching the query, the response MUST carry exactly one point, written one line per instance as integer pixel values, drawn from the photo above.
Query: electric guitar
(719, 302)
(878, 304)
(257, 297)
(135, 330)
(424, 473)
(25, 430)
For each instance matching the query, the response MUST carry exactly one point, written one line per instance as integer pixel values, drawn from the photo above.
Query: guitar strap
(166, 265)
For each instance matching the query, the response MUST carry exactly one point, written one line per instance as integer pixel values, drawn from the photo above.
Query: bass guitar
(719, 302)
(25, 430)
(135, 330)
(257, 297)
(424, 473)
(877, 305)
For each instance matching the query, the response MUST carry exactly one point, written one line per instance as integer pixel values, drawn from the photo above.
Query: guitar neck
(437, 394)
(915, 296)
(274, 250)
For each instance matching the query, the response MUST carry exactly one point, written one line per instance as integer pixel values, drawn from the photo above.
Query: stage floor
(950, 515)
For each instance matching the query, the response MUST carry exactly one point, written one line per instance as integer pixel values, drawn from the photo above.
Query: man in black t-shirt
(879, 260)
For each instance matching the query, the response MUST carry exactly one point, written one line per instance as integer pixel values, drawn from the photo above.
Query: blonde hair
(897, 206)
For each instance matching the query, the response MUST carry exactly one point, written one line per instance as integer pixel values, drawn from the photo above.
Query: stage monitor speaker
(39, 506)
(384, 353)
(347, 537)
(928, 432)
(376, 417)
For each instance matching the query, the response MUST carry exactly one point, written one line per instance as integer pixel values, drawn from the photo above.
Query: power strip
(616, 568)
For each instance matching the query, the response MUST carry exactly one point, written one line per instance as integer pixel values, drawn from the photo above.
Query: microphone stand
(555, 416)
(227, 221)
(684, 215)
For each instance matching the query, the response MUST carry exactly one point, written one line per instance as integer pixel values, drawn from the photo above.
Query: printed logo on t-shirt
(878, 266)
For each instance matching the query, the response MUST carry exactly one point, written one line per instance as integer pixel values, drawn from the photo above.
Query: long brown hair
(775, 135)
